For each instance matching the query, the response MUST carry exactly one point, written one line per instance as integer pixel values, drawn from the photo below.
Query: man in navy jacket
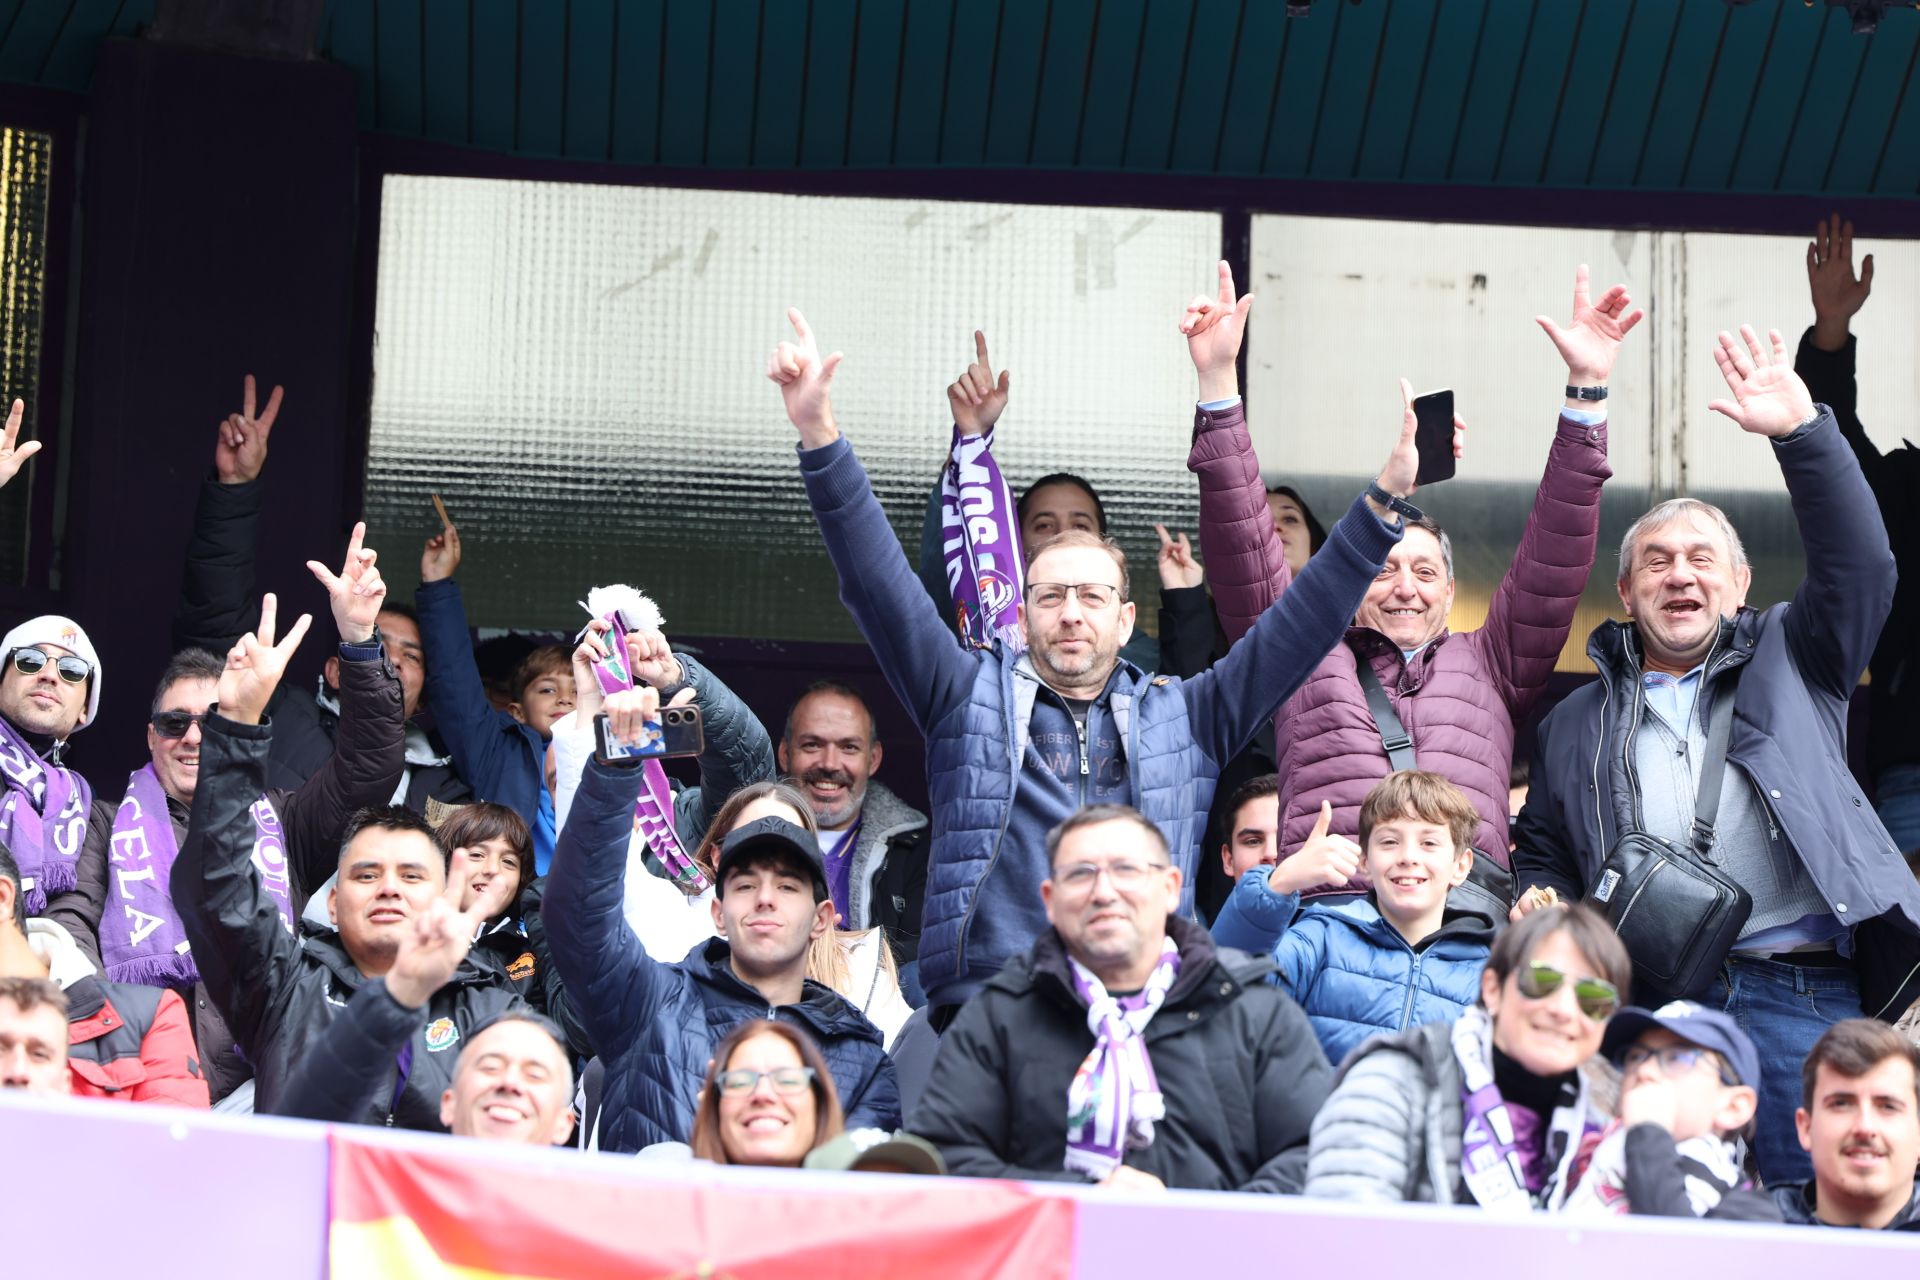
(1018, 741)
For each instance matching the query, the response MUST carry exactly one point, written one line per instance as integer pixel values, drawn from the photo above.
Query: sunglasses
(174, 724)
(1597, 998)
(31, 662)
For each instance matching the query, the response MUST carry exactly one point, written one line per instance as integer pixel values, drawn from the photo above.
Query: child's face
(543, 701)
(1412, 863)
(1688, 1100)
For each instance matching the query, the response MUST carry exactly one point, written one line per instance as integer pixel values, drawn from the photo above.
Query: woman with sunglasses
(768, 1098)
(1502, 1108)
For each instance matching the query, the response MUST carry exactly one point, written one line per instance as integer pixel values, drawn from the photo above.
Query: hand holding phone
(674, 731)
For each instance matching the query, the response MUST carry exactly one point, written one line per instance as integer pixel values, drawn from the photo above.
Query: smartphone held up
(1433, 436)
(677, 732)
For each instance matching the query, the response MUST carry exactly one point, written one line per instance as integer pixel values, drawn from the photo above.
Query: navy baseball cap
(1694, 1023)
(774, 836)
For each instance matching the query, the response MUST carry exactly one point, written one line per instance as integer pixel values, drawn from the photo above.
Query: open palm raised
(1768, 397)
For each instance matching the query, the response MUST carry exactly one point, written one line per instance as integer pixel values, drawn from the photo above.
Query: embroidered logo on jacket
(441, 1033)
(522, 967)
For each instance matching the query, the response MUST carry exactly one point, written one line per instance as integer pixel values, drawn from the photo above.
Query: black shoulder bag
(1489, 887)
(1678, 914)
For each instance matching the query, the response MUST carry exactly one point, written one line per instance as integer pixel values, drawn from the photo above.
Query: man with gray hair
(1834, 923)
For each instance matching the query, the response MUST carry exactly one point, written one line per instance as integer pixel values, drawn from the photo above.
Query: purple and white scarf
(1115, 1097)
(980, 545)
(43, 821)
(1509, 1172)
(627, 610)
(143, 942)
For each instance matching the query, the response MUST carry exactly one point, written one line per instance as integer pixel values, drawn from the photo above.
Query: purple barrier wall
(173, 1193)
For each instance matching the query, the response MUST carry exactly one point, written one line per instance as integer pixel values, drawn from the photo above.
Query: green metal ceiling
(1660, 95)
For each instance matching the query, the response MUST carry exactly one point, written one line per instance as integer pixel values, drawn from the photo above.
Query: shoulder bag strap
(1713, 765)
(1393, 734)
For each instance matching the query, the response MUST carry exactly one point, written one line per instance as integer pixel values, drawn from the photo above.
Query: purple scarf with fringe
(143, 942)
(1115, 1096)
(980, 545)
(653, 812)
(43, 821)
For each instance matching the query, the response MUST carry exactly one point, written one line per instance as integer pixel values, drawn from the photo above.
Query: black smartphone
(677, 732)
(1433, 436)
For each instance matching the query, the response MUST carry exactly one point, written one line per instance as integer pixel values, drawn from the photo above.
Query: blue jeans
(1784, 1008)
(1898, 787)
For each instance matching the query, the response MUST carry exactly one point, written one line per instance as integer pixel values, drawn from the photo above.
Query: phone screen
(1433, 436)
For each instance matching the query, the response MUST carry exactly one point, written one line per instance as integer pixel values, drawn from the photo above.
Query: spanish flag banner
(443, 1216)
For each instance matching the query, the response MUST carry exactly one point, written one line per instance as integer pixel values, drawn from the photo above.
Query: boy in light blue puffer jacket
(1397, 957)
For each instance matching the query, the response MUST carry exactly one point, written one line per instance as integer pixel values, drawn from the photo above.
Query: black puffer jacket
(278, 992)
(1237, 1062)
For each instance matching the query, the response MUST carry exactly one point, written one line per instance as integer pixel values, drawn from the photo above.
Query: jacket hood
(829, 1014)
(1362, 916)
(66, 962)
(885, 815)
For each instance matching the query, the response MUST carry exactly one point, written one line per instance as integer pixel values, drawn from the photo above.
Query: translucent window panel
(1347, 306)
(26, 168)
(579, 371)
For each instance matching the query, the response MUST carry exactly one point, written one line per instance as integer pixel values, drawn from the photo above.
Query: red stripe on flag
(557, 1225)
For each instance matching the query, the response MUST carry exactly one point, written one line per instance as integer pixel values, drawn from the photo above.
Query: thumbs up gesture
(1324, 861)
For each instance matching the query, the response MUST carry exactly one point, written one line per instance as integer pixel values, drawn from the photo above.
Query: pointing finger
(980, 348)
(269, 609)
(1226, 284)
(247, 396)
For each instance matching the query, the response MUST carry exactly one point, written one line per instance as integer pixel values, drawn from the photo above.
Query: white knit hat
(51, 628)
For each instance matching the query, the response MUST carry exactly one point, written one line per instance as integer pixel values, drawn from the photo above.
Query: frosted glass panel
(577, 371)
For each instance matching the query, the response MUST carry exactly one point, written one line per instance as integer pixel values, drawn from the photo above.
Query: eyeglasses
(1596, 998)
(30, 662)
(1675, 1061)
(1052, 595)
(174, 724)
(1125, 875)
(783, 1079)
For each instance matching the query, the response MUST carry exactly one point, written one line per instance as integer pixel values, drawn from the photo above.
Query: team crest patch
(522, 967)
(441, 1033)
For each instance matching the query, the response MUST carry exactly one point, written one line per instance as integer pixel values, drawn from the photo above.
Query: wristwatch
(1400, 506)
(1587, 393)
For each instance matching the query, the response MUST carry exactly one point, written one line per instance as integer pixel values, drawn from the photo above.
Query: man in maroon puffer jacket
(1460, 695)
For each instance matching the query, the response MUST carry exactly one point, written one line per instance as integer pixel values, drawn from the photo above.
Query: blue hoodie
(1349, 968)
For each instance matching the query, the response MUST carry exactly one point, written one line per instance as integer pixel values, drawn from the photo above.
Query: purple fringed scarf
(1115, 1097)
(143, 942)
(47, 848)
(653, 812)
(1509, 1166)
(980, 545)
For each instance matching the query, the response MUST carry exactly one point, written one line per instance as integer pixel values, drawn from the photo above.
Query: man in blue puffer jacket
(1018, 741)
(1395, 959)
(655, 1025)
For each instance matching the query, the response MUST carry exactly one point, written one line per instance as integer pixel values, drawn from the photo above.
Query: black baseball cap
(772, 836)
(1694, 1023)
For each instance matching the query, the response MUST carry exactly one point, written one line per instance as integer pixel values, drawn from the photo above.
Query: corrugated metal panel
(1657, 95)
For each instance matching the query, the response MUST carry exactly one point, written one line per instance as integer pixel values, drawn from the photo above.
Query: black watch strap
(1406, 510)
(1586, 393)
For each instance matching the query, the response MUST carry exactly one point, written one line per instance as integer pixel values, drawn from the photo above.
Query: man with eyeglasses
(49, 690)
(1687, 1100)
(1808, 911)
(1019, 740)
(128, 858)
(1124, 1049)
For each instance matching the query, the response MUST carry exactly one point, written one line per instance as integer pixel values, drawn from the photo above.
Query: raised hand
(586, 681)
(12, 456)
(1768, 397)
(1837, 292)
(1178, 568)
(357, 591)
(242, 449)
(804, 380)
(651, 660)
(976, 399)
(1591, 340)
(255, 665)
(1214, 328)
(441, 556)
(435, 941)
(1324, 861)
(1403, 464)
